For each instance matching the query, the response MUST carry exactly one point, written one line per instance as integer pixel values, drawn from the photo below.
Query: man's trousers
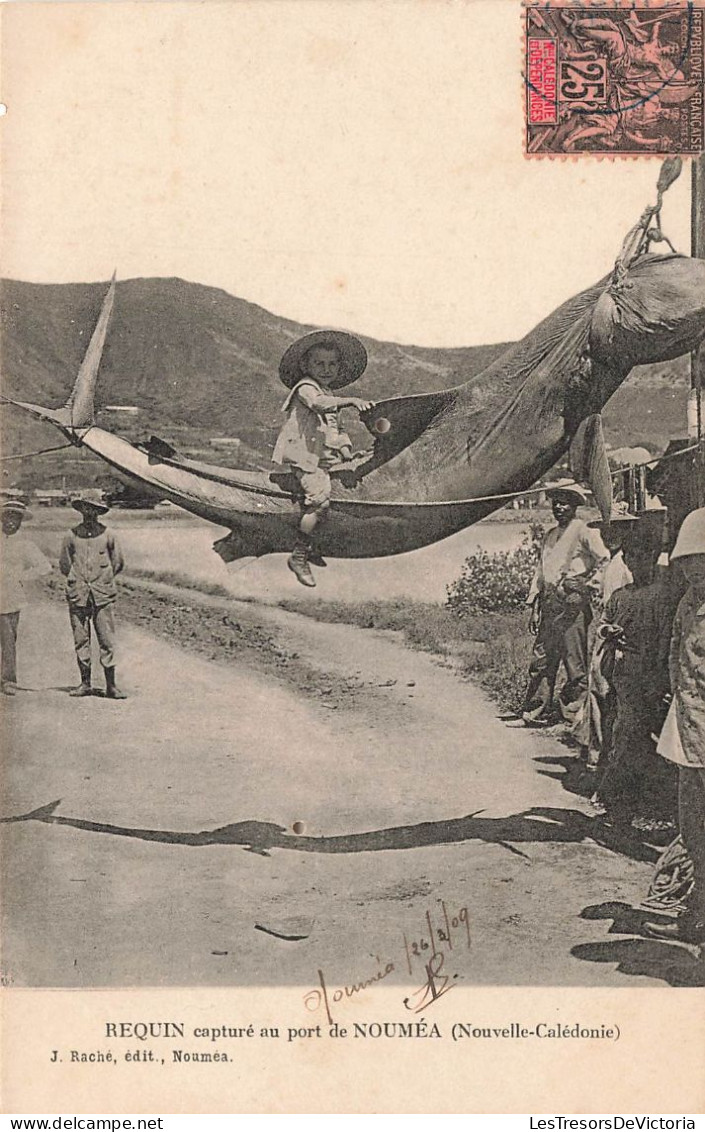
(101, 617)
(9, 623)
(562, 637)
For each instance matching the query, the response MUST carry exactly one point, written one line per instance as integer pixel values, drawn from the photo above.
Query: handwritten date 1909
(449, 932)
(443, 933)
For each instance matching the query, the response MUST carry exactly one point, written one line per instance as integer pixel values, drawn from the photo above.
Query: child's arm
(327, 402)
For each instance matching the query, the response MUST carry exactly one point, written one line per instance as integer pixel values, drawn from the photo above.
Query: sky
(340, 162)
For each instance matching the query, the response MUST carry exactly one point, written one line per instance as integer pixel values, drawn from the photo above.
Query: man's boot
(298, 562)
(84, 688)
(111, 689)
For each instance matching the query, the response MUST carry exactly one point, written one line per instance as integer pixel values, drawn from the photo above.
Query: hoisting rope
(648, 229)
(657, 460)
(39, 452)
(508, 495)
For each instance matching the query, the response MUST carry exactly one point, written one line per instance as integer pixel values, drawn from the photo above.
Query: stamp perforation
(613, 80)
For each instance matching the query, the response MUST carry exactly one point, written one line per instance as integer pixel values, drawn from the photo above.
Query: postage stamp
(620, 80)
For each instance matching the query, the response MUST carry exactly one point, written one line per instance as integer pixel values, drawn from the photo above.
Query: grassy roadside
(492, 648)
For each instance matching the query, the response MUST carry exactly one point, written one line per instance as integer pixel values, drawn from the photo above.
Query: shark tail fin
(79, 410)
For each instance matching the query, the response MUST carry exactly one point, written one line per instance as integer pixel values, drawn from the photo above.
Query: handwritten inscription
(425, 952)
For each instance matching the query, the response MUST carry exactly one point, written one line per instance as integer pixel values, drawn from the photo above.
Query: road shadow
(570, 771)
(676, 964)
(536, 825)
(672, 963)
(626, 920)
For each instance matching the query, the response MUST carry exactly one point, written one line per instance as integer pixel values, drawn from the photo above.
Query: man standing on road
(572, 558)
(21, 561)
(90, 559)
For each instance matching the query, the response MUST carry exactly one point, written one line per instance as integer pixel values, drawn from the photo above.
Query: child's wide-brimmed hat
(566, 489)
(353, 357)
(691, 536)
(91, 499)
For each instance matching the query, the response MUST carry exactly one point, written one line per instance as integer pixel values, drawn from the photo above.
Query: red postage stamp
(613, 80)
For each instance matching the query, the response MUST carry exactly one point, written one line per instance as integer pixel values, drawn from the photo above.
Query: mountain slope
(201, 362)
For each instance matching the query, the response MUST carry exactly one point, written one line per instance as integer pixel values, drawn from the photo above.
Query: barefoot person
(90, 559)
(311, 443)
(21, 561)
(572, 559)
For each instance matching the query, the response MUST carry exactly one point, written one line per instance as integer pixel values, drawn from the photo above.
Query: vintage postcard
(352, 510)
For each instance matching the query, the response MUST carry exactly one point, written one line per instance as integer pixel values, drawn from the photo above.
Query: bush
(496, 583)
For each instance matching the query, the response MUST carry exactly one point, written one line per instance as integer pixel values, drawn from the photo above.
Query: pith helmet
(691, 536)
(353, 357)
(92, 498)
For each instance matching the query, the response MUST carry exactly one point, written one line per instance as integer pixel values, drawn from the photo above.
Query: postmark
(620, 80)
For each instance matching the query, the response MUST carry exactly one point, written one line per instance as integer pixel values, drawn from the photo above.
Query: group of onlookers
(634, 690)
(90, 559)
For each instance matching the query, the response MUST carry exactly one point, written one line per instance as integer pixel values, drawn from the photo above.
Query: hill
(200, 362)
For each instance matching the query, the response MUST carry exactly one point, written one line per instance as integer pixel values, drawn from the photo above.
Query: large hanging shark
(439, 461)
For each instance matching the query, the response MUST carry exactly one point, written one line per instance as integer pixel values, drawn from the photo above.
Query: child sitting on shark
(311, 444)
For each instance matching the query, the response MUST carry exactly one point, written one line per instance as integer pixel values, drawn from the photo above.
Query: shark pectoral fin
(589, 463)
(158, 449)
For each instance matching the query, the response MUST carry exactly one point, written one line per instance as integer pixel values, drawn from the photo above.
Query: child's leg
(309, 522)
(315, 489)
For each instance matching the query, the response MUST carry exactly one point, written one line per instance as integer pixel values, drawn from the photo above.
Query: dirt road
(154, 841)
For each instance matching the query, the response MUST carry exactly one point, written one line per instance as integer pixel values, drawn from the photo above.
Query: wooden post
(697, 358)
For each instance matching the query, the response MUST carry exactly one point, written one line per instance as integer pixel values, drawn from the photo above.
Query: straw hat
(92, 498)
(691, 536)
(353, 357)
(16, 507)
(568, 490)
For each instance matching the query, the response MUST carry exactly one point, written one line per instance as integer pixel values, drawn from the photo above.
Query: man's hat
(16, 507)
(353, 357)
(92, 498)
(568, 490)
